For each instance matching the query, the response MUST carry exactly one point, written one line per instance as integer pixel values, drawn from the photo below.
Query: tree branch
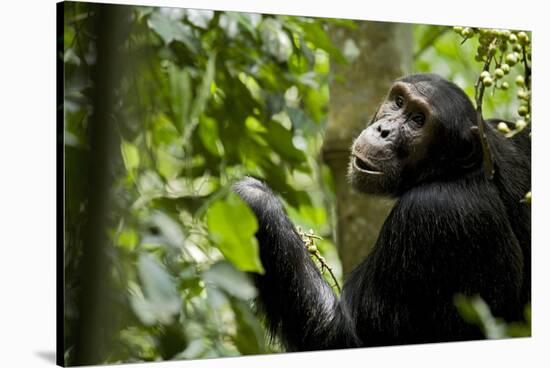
(488, 164)
(309, 242)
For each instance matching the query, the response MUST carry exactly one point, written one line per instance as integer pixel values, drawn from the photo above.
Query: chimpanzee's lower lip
(365, 166)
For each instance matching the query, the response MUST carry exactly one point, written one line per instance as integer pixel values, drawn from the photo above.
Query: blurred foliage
(475, 311)
(206, 98)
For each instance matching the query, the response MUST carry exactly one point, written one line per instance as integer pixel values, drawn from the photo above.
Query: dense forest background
(164, 108)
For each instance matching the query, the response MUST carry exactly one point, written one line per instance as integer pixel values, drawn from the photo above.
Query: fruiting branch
(494, 51)
(482, 82)
(309, 239)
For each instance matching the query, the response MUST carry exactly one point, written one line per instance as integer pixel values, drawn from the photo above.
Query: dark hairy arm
(301, 308)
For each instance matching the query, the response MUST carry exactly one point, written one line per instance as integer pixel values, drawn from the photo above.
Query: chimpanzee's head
(421, 132)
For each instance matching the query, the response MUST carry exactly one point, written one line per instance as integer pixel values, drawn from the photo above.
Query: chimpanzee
(452, 230)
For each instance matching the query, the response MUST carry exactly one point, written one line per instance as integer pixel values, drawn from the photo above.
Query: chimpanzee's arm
(299, 305)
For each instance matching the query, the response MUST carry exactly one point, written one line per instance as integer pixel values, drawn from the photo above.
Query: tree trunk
(96, 320)
(382, 53)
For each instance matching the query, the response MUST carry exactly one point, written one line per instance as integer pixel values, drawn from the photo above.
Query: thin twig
(309, 242)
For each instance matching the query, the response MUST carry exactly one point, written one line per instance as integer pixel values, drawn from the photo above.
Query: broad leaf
(169, 230)
(232, 224)
(250, 336)
(130, 155)
(170, 29)
(232, 281)
(161, 296)
(275, 40)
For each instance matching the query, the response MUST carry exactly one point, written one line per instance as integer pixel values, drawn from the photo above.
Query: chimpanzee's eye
(399, 101)
(419, 119)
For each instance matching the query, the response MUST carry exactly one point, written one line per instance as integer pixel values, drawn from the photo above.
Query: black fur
(452, 231)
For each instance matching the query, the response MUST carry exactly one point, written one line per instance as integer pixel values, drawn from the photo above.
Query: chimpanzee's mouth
(365, 166)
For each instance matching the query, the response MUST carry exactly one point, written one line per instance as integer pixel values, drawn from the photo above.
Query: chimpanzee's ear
(471, 153)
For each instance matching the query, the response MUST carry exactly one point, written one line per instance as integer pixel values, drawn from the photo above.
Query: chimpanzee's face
(398, 138)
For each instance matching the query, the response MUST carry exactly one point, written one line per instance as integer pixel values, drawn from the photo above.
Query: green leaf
(243, 19)
(161, 300)
(314, 33)
(203, 92)
(280, 139)
(234, 282)
(169, 229)
(196, 349)
(143, 11)
(168, 165)
(250, 335)
(199, 17)
(141, 307)
(427, 36)
(130, 155)
(275, 102)
(275, 40)
(208, 133)
(299, 119)
(216, 298)
(181, 94)
(191, 281)
(232, 225)
(315, 102)
(150, 184)
(170, 29)
(474, 310)
(128, 239)
(313, 214)
(164, 131)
